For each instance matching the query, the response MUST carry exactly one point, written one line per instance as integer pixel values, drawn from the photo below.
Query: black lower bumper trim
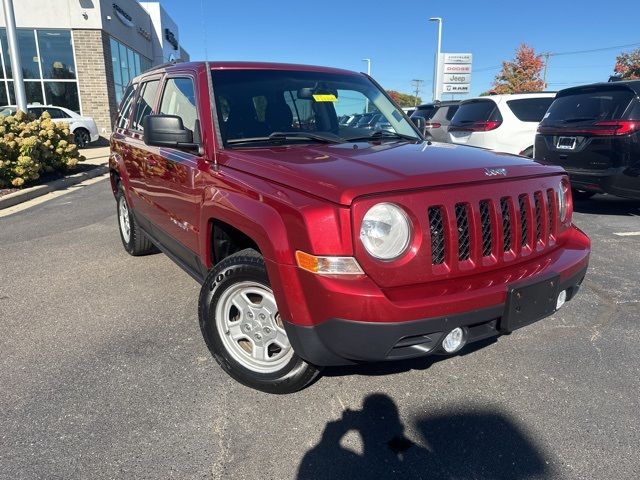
(343, 342)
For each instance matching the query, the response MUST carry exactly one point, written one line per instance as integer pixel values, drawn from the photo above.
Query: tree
(628, 65)
(523, 74)
(404, 99)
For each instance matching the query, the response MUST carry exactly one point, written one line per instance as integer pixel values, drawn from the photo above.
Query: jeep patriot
(321, 244)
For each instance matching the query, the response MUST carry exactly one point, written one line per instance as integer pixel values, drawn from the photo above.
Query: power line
(576, 52)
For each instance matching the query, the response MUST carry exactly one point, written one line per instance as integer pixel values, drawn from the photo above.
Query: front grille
(485, 220)
(464, 241)
(479, 237)
(436, 230)
(506, 223)
(524, 223)
(537, 199)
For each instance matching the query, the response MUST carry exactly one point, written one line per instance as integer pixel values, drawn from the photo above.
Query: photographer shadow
(461, 444)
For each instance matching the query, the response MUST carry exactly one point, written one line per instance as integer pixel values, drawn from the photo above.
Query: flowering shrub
(31, 146)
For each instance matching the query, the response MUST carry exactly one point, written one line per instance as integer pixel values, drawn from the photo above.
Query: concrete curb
(39, 190)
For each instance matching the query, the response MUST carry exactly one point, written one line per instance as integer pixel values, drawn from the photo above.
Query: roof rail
(163, 65)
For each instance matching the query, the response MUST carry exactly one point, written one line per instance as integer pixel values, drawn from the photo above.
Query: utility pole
(14, 53)
(416, 83)
(546, 64)
(368, 60)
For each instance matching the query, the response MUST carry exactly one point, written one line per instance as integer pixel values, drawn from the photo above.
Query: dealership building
(81, 54)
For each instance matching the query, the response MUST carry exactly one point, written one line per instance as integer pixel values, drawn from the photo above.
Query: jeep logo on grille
(492, 172)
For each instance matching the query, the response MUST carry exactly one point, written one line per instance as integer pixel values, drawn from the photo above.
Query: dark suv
(437, 118)
(319, 245)
(593, 131)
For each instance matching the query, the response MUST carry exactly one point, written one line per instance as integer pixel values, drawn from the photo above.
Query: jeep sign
(455, 73)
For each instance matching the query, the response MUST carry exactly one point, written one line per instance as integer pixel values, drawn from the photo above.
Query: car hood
(342, 172)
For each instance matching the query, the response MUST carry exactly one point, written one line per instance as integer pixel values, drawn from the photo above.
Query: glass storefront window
(63, 94)
(28, 54)
(56, 62)
(127, 64)
(56, 54)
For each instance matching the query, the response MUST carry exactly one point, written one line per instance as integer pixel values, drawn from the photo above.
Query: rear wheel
(81, 137)
(134, 241)
(243, 329)
(581, 194)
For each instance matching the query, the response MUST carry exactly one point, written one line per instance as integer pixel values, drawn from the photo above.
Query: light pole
(16, 67)
(436, 67)
(368, 60)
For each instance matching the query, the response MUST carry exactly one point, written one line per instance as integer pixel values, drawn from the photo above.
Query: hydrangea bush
(31, 146)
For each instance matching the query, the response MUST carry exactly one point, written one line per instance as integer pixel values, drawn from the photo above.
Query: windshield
(589, 105)
(255, 104)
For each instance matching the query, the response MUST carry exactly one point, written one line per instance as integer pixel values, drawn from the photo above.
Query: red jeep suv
(318, 244)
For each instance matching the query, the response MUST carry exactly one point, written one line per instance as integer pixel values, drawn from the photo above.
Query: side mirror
(419, 122)
(167, 131)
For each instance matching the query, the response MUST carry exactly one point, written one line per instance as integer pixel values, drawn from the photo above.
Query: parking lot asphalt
(104, 374)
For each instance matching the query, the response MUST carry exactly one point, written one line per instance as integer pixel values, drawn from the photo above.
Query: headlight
(385, 231)
(563, 200)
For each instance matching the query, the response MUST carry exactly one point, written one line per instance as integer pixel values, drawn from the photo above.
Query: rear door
(573, 133)
(138, 154)
(528, 113)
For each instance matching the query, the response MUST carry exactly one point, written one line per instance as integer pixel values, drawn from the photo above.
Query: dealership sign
(455, 77)
(122, 15)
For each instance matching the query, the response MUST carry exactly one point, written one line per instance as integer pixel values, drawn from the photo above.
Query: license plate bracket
(566, 143)
(529, 303)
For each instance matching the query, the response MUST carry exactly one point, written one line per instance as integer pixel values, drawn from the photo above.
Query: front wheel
(243, 329)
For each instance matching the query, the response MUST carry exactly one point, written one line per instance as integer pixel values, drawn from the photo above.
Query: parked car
(503, 123)
(353, 121)
(366, 120)
(593, 131)
(314, 249)
(83, 129)
(437, 118)
(409, 111)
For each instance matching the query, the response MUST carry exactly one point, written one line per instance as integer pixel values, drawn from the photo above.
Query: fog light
(562, 297)
(454, 340)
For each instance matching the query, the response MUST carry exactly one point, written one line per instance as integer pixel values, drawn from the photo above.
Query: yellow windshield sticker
(327, 97)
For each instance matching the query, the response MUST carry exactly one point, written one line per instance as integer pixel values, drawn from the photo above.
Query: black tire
(581, 194)
(135, 242)
(528, 152)
(246, 266)
(81, 137)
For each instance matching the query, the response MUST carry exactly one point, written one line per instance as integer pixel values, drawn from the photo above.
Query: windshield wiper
(280, 137)
(384, 134)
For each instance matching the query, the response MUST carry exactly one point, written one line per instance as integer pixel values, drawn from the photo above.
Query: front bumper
(341, 342)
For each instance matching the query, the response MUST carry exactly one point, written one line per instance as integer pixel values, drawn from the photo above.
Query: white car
(503, 123)
(84, 129)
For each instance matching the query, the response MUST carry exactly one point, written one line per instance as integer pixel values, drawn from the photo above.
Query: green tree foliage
(522, 74)
(404, 99)
(628, 65)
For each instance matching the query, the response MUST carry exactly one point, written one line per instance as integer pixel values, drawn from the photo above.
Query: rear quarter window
(425, 113)
(590, 105)
(530, 109)
(451, 111)
(477, 111)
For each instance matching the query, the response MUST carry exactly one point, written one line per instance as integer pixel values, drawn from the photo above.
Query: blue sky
(401, 42)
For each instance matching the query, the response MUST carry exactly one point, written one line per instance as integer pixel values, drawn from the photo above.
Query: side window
(451, 111)
(144, 105)
(56, 113)
(125, 107)
(36, 111)
(179, 99)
